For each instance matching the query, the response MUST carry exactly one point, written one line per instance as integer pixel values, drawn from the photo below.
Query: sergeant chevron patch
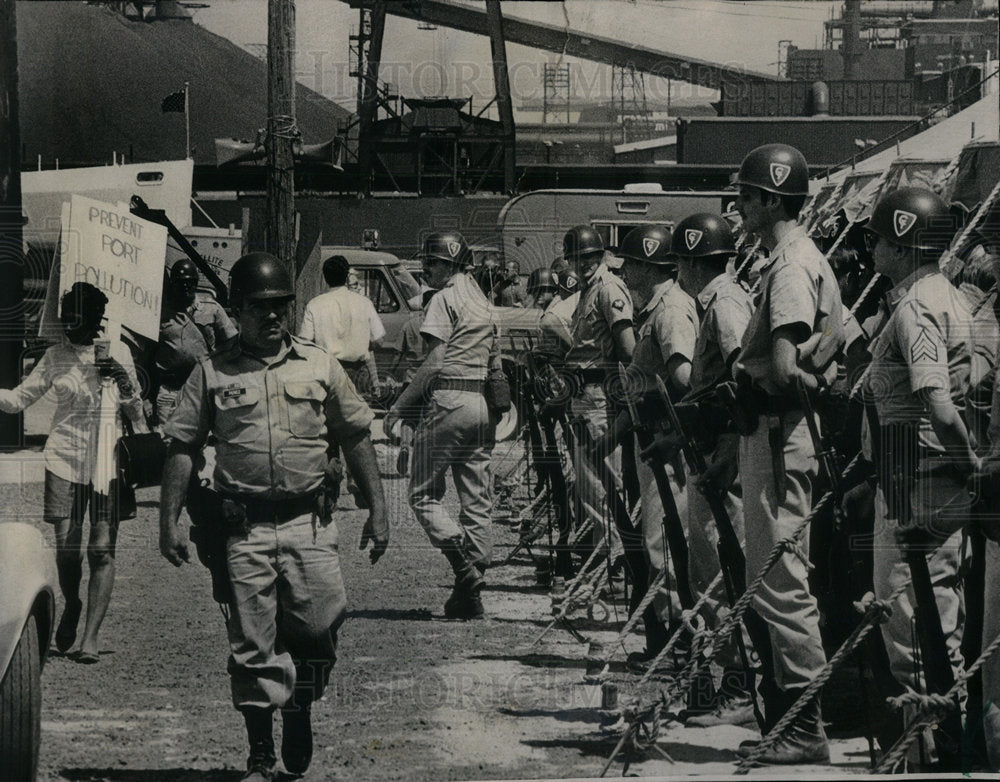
(923, 348)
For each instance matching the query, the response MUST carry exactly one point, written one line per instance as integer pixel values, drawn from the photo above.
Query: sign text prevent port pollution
(122, 255)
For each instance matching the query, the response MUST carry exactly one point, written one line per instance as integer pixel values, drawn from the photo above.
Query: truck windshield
(408, 286)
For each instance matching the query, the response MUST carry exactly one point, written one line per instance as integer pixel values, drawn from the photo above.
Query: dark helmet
(580, 241)
(703, 234)
(183, 269)
(447, 246)
(258, 276)
(648, 244)
(569, 282)
(777, 168)
(542, 280)
(913, 217)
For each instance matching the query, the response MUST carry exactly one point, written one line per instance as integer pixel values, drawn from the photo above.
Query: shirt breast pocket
(304, 402)
(238, 415)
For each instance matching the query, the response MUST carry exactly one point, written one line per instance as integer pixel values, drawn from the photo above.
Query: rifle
(733, 565)
(672, 527)
(552, 466)
(830, 467)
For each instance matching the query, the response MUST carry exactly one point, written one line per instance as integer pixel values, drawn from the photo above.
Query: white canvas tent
(979, 122)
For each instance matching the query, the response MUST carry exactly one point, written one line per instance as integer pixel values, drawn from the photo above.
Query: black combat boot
(803, 742)
(260, 763)
(464, 601)
(296, 737)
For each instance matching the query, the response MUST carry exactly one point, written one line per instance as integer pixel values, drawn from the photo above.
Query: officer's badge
(902, 221)
(618, 304)
(691, 237)
(454, 248)
(650, 246)
(779, 173)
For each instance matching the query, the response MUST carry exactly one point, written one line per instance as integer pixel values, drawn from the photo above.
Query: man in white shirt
(346, 324)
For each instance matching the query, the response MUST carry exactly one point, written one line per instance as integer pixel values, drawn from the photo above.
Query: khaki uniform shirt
(460, 316)
(604, 303)
(343, 322)
(726, 309)
(557, 323)
(797, 286)
(670, 328)
(188, 335)
(270, 417)
(926, 344)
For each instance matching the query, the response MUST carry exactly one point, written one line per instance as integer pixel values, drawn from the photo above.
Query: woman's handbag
(140, 458)
(496, 389)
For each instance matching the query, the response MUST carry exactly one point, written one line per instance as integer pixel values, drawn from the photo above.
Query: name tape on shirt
(234, 391)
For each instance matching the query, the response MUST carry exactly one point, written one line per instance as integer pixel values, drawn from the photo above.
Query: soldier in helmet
(557, 320)
(603, 336)
(276, 405)
(793, 336)
(667, 330)
(191, 327)
(457, 434)
(543, 287)
(704, 246)
(922, 366)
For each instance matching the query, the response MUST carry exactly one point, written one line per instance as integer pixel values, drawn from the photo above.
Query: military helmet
(257, 276)
(183, 269)
(913, 217)
(580, 241)
(703, 234)
(648, 244)
(542, 280)
(569, 283)
(449, 246)
(777, 168)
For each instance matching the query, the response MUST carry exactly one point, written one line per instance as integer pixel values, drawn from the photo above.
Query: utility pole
(369, 96)
(501, 83)
(11, 249)
(281, 131)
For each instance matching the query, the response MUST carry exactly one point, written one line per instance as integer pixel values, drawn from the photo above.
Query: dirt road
(415, 697)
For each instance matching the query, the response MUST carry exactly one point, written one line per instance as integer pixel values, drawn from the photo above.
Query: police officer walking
(457, 433)
(794, 333)
(276, 406)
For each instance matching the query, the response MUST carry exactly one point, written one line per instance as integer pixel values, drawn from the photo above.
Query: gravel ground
(414, 697)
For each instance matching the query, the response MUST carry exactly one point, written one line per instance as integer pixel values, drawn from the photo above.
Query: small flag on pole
(175, 101)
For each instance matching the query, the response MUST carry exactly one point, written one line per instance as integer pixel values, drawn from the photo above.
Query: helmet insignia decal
(902, 221)
(779, 173)
(454, 248)
(650, 246)
(692, 236)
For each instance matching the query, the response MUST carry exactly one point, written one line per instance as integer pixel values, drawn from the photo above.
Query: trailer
(531, 226)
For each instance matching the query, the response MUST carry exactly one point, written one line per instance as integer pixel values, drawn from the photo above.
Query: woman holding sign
(78, 372)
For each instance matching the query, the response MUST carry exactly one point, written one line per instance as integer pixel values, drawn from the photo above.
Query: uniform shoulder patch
(923, 348)
(618, 304)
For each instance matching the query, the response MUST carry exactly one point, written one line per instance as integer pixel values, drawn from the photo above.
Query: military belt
(258, 510)
(458, 384)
